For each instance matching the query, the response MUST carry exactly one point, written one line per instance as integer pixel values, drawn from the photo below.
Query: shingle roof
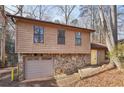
(98, 46)
(46, 22)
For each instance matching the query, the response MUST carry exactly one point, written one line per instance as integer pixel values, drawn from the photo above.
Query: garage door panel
(38, 68)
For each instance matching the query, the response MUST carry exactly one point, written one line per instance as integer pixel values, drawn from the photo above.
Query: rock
(70, 63)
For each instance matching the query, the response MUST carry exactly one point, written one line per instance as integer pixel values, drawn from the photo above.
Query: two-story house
(47, 49)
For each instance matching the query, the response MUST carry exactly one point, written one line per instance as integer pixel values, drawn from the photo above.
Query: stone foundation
(21, 67)
(69, 64)
(63, 64)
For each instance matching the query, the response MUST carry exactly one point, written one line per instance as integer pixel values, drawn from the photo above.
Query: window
(61, 36)
(38, 34)
(78, 38)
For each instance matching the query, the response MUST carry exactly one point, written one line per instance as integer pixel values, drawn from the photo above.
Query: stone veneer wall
(70, 63)
(64, 63)
(21, 68)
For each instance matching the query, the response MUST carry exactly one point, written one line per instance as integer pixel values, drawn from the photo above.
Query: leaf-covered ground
(111, 78)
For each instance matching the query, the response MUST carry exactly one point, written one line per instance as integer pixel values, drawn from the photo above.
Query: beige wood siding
(94, 58)
(101, 56)
(24, 40)
(97, 56)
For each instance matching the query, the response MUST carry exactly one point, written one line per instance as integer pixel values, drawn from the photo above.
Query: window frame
(39, 36)
(60, 37)
(77, 38)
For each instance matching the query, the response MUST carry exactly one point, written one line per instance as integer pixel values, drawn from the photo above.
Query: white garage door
(38, 68)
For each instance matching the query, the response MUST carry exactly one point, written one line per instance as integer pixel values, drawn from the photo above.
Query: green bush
(118, 51)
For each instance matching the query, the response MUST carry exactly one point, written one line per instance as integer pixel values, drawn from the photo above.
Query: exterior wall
(101, 56)
(64, 63)
(24, 39)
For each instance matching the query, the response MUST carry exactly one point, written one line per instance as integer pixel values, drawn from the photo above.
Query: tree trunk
(21, 10)
(110, 37)
(114, 23)
(40, 14)
(3, 34)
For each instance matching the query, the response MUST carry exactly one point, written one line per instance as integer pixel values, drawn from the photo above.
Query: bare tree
(66, 11)
(43, 11)
(75, 22)
(110, 30)
(40, 12)
(4, 25)
(19, 10)
(90, 19)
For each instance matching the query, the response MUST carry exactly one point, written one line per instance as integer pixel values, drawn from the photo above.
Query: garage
(36, 67)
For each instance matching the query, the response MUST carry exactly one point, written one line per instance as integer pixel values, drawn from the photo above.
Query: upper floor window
(61, 36)
(77, 38)
(38, 34)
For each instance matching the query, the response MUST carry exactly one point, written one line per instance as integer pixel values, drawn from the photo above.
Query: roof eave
(19, 17)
